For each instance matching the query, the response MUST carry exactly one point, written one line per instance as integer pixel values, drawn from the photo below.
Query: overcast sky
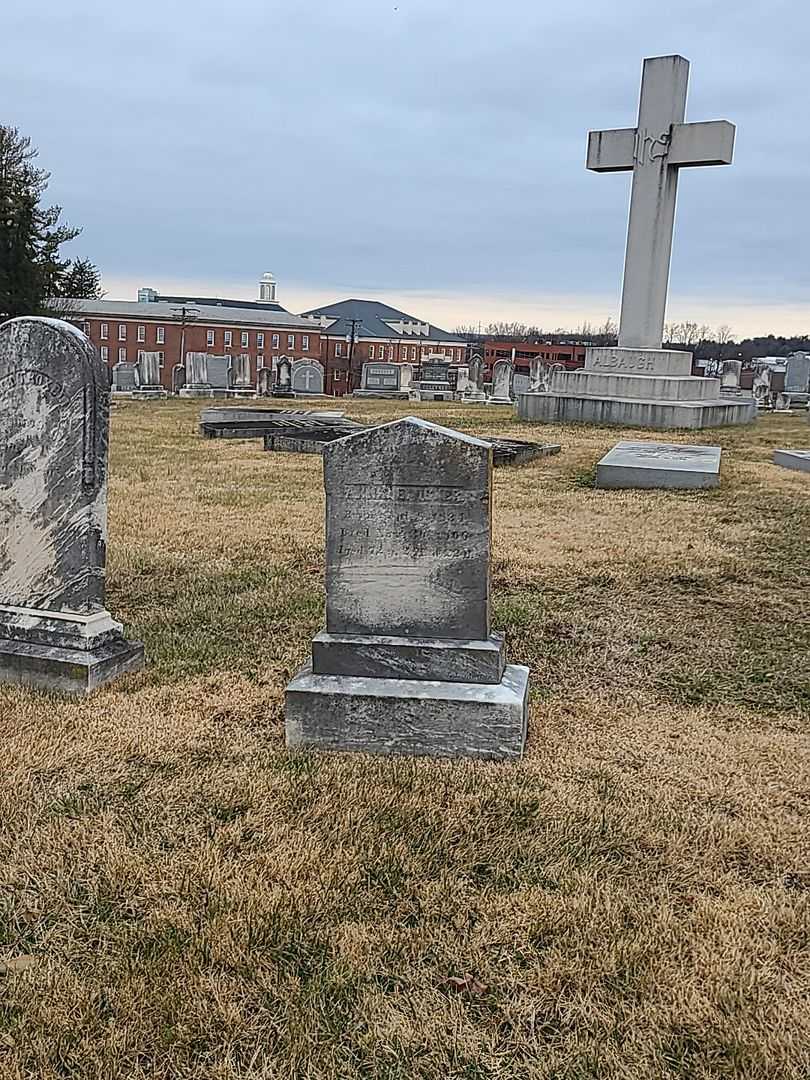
(430, 152)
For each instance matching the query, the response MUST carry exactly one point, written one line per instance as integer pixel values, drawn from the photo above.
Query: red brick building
(175, 325)
(354, 332)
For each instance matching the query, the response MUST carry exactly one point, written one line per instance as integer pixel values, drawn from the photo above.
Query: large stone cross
(655, 150)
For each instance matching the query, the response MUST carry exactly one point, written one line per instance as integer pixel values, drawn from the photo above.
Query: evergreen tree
(31, 270)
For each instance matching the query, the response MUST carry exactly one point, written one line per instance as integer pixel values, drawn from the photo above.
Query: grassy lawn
(631, 901)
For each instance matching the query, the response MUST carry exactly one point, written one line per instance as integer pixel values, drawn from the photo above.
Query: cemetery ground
(181, 897)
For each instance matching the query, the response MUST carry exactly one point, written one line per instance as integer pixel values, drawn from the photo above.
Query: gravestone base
(150, 392)
(793, 459)
(377, 657)
(659, 465)
(240, 392)
(282, 393)
(473, 397)
(396, 395)
(409, 716)
(196, 392)
(640, 388)
(64, 670)
(500, 401)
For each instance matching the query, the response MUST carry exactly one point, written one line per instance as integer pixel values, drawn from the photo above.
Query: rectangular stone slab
(404, 716)
(659, 465)
(67, 671)
(377, 657)
(793, 459)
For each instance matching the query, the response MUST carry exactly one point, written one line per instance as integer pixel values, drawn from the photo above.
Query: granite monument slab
(659, 465)
(307, 378)
(55, 631)
(149, 380)
(408, 662)
(197, 384)
(793, 459)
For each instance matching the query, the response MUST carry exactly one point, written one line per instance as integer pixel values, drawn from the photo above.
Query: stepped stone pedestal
(640, 388)
(408, 662)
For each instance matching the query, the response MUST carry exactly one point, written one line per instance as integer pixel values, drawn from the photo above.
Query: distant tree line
(34, 277)
(706, 343)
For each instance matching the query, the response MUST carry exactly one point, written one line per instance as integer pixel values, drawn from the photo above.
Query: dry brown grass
(632, 901)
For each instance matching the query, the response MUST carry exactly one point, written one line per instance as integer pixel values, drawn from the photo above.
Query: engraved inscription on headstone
(54, 407)
(307, 377)
(407, 542)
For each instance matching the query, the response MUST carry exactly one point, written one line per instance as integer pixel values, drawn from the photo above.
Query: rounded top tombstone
(54, 408)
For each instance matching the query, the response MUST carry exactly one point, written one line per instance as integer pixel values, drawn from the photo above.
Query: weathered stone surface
(381, 380)
(634, 412)
(219, 372)
(68, 671)
(149, 382)
(659, 465)
(124, 378)
(407, 663)
(54, 409)
(380, 657)
(408, 532)
(610, 360)
(793, 459)
(502, 383)
(406, 716)
(307, 377)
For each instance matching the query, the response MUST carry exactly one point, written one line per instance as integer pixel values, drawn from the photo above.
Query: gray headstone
(54, 409)
(405, 376)
(793, 459)
(730, 375)
(124, 377)
(219, 372)
(408, 533)
(408, 663)
(521, 384)
(502, 381)
(197, 369)
(307, 377)
(240, 372)
(659, 465)
(477, 370)
(381, 377)
(149, 369)
(797, 376)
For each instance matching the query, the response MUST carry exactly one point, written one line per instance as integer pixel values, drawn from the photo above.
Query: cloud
(419, 147)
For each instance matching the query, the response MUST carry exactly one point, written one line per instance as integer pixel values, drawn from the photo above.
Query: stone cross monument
(655, 151)
(638, 383)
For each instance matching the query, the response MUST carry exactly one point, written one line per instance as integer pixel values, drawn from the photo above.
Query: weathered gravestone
(381, 381)
(502, 383)
(197, 384)
(408, 662)
(659, 465)
(434, 380)
(730, 377)
(124, 378)
(793, 459)
(283, 380)
(307, 378)
(219, 374)
(242, 377)
(149, 384)
(475, 388)
(55, 632)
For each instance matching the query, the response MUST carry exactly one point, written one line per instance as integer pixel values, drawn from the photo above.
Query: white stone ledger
(638, 383)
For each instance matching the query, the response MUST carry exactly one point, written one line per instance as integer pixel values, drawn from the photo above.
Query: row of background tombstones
(408, 661)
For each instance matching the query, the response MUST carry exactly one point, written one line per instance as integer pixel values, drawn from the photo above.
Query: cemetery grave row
(408, 661)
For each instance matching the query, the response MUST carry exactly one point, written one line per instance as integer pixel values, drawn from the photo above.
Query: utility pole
(187, 314)
(354, 324)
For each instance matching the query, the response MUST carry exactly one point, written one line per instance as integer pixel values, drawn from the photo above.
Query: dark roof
(214, 301)
(374, 318)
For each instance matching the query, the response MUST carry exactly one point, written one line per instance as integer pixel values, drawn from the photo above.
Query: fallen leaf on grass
(15, 964)
(466, 983)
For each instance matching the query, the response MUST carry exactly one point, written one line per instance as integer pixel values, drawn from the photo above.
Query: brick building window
(122, 331)
(274, 342)
(209, 340)
(371, 352)
(290, 341)
(105, 353)
(259, 362)
(390, 352)
(105, 331)
(260, 340)
(245, 339)
(228, 335)
(141, 333)
(160, 335)
(140, 355)
(122, 355)
(305, 342)
(161, 358)
(338, 348)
